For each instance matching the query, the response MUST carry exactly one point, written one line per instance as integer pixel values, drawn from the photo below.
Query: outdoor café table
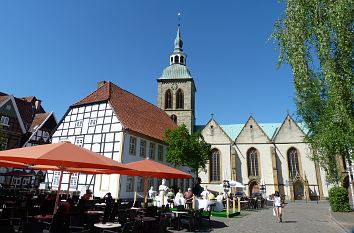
(41, 217)
(107, 225)
(144, 219)
(178, 215)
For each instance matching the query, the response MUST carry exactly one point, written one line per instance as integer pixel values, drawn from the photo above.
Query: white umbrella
(235, 184)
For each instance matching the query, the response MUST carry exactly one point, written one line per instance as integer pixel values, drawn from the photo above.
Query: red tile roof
(135, 113)
(38, 120)
(25, 107)
(3, 98)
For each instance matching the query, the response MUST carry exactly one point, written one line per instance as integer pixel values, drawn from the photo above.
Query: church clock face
(174, 86)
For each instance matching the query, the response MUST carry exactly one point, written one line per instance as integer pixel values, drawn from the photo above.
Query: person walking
(277, 205)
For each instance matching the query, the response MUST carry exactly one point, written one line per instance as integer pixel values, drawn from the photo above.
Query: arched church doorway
(298, 190)
(253, 187)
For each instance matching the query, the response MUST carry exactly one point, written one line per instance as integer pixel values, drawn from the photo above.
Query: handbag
(274, 212)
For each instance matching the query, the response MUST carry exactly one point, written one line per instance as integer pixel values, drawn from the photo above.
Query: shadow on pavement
(289, 221)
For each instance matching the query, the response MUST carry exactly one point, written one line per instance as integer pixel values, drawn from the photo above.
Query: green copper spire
(178, 41)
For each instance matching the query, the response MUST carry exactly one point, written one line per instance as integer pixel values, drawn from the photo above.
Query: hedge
(339, 199)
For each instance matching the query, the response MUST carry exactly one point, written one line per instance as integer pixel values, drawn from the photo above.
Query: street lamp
(350, 171)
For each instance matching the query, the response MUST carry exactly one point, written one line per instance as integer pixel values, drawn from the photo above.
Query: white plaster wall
(127, 158)
(265, 164)
(225, 167)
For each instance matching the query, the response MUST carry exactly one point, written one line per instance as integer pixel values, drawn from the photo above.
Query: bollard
(233, 205)
(193, 202)
(227, 207)
(239, 204)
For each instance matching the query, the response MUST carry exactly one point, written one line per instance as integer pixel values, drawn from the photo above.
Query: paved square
(299, 217)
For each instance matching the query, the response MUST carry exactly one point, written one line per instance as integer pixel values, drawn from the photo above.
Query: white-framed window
(26, 181)
(132, 146)
(140, 185)
(79, 141)
(56, 177)
(142, 148)
(160, 152)
(130, 184)
(152, 150)
(16, 180)
(73, 180)
(4, 120)
(92, 121)
(79, 123)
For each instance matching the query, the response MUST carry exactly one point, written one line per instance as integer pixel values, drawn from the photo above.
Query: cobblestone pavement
(299, 217)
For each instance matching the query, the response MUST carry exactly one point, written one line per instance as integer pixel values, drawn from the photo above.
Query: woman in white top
(277, 204)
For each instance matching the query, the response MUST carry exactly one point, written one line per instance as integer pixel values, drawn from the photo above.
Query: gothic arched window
(214, 165)
(168, 99)
(252, 162)
(176, 59)
(293, 162)
(174, 118)
(179, 99)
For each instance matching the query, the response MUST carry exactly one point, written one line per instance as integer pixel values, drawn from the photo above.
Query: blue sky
(58, 50)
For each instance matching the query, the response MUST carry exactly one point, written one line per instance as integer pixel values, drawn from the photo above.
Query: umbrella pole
(58, 193)
(68, 190)
(145, 189)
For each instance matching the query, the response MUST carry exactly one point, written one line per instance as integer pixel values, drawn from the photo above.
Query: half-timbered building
(23, 122)
(117, 124)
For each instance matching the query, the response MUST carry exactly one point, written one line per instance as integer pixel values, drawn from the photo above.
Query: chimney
(37, 104)
(100, 84)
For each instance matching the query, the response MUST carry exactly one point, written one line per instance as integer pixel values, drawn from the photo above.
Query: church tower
(176, 88)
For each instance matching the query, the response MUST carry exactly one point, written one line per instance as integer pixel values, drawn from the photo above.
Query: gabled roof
(135, 113)
(212, 120)
(26, 110)
(270, 129)
(232, 130)
(3, 98)
(38, 120)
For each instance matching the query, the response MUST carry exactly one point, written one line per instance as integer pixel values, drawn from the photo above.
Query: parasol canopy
(61, 155)
(4, 163)
(150, 168)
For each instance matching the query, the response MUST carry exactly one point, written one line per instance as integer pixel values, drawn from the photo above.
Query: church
(267, 156)
(122, 126)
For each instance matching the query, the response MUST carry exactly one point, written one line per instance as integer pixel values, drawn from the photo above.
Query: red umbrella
(149, 168)
(62, 155)
(4, 163)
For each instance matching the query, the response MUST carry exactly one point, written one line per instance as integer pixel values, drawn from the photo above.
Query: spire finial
(179, 19)
(178, 40)
(212, 115)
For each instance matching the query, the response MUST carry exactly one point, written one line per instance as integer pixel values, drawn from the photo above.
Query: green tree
(316, 38)
(186, 149)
